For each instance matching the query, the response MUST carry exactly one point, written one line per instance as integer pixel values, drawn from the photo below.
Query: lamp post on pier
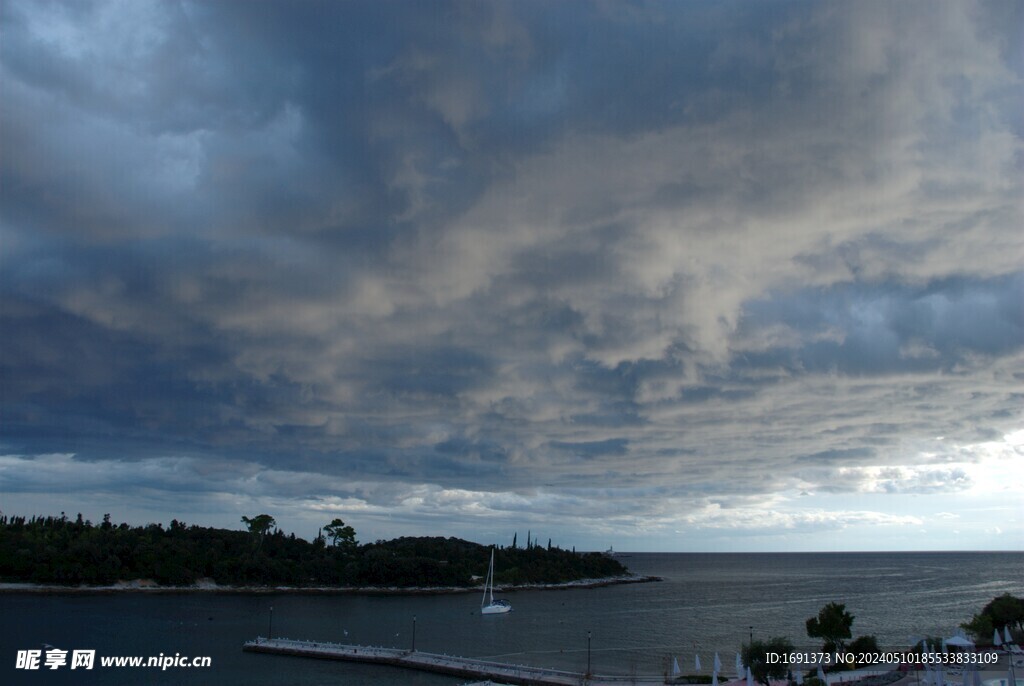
(270, 627)
(588, 653)
(414, 633)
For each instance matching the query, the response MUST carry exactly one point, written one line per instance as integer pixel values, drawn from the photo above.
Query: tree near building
(832, 625)
(1002, 611)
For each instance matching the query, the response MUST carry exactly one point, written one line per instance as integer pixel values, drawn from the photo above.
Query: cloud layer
(495, 262)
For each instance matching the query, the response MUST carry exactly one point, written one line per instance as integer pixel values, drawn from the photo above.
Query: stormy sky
(663, 276)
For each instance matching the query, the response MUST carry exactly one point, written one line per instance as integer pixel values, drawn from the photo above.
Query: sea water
(706, 603)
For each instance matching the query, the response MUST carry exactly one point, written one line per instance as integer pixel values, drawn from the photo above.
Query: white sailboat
(488, 605)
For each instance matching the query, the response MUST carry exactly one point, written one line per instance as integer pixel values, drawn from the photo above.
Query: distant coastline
(75, 553)
(147, 586)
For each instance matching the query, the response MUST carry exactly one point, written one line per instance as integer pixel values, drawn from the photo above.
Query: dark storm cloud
(889, 327)
(612, 446)
(555, 254)
(848, 456)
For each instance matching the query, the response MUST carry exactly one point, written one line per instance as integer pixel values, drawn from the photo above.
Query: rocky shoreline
(209, 586)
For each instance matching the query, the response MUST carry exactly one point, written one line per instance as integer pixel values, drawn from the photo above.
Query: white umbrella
(995, 638)
(714, 679)
(750, 678)
(718, 663)
(675, 666)
(1006, 634)
(799, 677)
(739, 667)
(696, 662)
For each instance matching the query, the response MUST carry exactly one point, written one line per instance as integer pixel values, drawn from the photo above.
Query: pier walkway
(445, 664)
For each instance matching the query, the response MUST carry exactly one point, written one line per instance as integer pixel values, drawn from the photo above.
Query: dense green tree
(1001, 611)
(259, 526)
(341, 535)
(755, 656)
(980, 627)
(833, 625)
(862, 646)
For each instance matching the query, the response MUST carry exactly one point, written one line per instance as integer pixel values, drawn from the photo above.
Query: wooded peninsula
(75, 552)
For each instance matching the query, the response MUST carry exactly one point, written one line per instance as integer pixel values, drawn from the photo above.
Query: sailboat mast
(487, 583)
(490, 576)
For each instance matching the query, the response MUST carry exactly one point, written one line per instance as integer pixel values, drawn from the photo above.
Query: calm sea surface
(707, 602)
